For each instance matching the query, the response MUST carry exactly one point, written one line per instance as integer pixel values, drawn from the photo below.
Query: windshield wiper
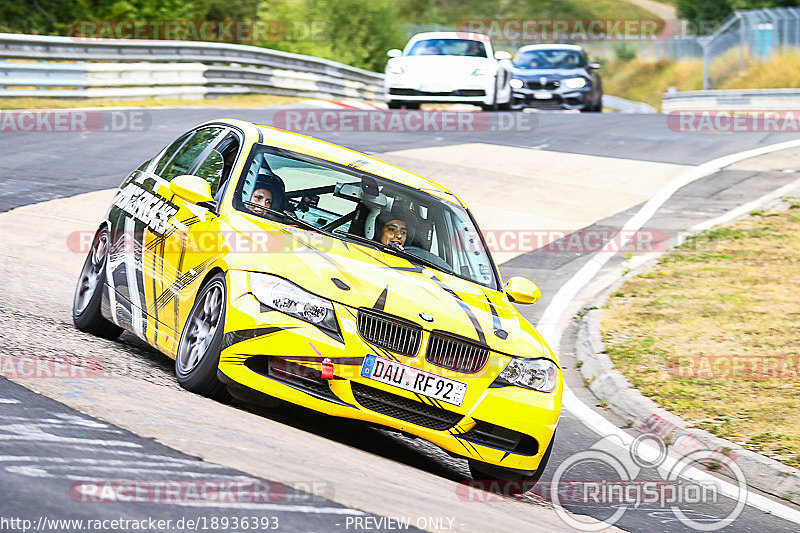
(395, 250)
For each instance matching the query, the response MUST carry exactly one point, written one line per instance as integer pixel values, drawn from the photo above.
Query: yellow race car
(271, 265)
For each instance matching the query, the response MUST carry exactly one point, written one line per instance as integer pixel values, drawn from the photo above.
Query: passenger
(262, 197)
(267, 192)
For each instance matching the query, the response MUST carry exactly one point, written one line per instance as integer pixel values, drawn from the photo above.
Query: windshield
(354, 205)
(448, 47)
(552, 58)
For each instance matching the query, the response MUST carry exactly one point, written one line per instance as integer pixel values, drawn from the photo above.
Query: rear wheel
(88, 298)
(513, 482)
(201, 342)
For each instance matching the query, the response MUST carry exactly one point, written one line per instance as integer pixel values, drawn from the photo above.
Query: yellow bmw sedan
(271, 265)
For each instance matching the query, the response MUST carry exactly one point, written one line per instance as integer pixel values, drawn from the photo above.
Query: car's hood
(442, 66)
(389, 283)
(549, 73)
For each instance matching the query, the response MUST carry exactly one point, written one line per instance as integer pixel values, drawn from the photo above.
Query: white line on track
(552, 326)
(8, 400)
(276, 507)
(39, 439)
(110, 462)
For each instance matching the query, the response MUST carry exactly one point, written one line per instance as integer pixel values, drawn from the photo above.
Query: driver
(394, 228)
(475, 49)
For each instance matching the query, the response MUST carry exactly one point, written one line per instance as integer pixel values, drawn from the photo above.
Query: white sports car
(448, 67)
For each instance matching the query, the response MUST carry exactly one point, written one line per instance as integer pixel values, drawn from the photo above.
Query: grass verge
(710, 333)
(647, 81)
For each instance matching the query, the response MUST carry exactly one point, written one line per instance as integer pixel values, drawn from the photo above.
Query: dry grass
(647, 81)
(243, 101)
(781, 71)
(688, 333)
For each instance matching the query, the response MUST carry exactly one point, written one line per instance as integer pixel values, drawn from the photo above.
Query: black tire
(394, 105)
(494, 105)
(411, 105)
(86, 303)
(516, 482)
(197, 359)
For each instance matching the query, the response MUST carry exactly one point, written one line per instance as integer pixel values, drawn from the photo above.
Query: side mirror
(191, 188)
(522, 291)
(501, 54)
(394, 52)
(594, 65)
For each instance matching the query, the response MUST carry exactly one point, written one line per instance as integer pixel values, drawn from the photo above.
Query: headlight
(286, 297)
(575, 83)
(394, 68)
(516, 84)
(481, 71)
(536, 374)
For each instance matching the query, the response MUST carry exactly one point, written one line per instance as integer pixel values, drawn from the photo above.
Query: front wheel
(88, 298)
(201, 342)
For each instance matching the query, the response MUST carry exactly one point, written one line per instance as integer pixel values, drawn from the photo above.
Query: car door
(151, 230)
(137, 217)
(192, 240)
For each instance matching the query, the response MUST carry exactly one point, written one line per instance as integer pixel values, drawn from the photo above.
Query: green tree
(358, 32)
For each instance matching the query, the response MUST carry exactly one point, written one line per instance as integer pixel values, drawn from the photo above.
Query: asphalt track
(36, 167)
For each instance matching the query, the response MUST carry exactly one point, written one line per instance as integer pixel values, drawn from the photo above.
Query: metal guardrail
(627, 106)
(732, 100)
(66, 67)
(130, 68)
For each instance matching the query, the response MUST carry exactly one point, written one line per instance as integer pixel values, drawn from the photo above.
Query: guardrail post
(705, 43)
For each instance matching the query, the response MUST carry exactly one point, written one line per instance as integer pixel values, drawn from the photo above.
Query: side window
(217, 166)
(185, 156)
(166, 157)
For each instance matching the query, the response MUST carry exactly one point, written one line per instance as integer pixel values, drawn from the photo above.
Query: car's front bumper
(406, 94)
(255, 335)
(404, 88)
(560, 98)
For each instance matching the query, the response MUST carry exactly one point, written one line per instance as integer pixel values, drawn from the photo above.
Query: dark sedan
(556, 76)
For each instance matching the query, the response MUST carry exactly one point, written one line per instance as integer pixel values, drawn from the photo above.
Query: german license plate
(413, 379)
(543, 95)
(434, 88)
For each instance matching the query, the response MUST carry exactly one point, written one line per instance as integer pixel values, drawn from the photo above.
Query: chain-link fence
(744, 37)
